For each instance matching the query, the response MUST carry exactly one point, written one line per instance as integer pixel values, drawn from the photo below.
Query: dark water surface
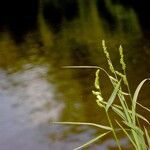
(35, 90)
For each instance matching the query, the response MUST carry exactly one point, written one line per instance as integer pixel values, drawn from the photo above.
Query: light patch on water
(26, 102)
(30, 95)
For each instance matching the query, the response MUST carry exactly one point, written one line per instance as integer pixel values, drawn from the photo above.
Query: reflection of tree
(45, 33)
(125, 18)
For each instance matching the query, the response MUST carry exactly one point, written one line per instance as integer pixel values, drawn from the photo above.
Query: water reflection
(35, 90)
(65, 138)
(27, 105)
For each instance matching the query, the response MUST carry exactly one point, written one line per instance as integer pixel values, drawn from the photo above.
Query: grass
(129, 117)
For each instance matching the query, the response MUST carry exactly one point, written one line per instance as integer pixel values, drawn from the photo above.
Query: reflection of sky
(26, 103)
(61, 138)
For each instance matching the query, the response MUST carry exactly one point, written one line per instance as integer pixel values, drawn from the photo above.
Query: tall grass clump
(129, 117)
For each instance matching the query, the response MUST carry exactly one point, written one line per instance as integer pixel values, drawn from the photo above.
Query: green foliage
(129, 118)
(113, 96)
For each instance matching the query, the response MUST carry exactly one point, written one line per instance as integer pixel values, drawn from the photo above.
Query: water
(35, 91)
(27, 104)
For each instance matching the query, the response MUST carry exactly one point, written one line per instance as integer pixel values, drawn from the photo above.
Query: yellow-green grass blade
(138, 135)
(119, 112)
(113, 96)
(124, 93)
(124, 107)
(135, 128)
(91, 141)
(137, 114)
(128, 135)
(135, 96)
(143, 107)
(147, 137)
(85, 123)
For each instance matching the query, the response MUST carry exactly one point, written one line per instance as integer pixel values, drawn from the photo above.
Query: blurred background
(37, 38)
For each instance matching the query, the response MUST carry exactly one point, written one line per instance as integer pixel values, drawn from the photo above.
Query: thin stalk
(113, 131)
(128, 87)
(124, 106)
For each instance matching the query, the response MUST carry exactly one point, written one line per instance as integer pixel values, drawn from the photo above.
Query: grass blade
(128, 135)
(119, 112)
(135, 96)
(143, 107)
(113, 96)
(135, 128)
(85, 123)
(147, 137)
(129, 111)
(91, 141)
(143, 118)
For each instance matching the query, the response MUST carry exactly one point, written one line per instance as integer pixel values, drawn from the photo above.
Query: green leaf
(147, 137)
(143, 118)
(135, 96)
(128, 135)
(112, 79)
(113, 95)
(85, 123)
(91, 141)
(135, 128)
(129, 111)
(119, 112)
(143, 107)
(124, 93)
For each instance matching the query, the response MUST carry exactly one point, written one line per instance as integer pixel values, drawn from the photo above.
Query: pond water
(29, 104)
(35, 91)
